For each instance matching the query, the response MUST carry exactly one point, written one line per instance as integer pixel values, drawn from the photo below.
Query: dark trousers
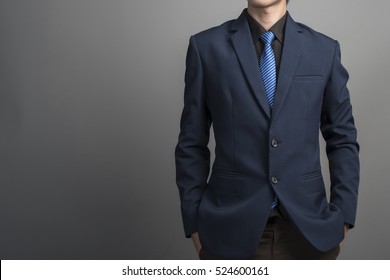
(282, 241)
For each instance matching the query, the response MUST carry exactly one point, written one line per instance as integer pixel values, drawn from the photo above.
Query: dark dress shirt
(277, 45)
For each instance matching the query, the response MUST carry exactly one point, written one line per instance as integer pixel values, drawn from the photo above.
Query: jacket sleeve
(192, 155)
(342, 148)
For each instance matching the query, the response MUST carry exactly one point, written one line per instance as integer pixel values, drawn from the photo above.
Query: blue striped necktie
(268, 74)
(268, 67)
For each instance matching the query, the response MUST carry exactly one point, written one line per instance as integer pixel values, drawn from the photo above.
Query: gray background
(91, 93)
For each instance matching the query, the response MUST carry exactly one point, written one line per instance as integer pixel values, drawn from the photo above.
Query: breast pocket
(308, 91)
(308, 78)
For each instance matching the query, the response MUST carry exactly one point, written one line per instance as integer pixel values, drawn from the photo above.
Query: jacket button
(274, 143)
(274, 180)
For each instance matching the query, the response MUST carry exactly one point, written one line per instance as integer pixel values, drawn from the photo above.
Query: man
(267, 85)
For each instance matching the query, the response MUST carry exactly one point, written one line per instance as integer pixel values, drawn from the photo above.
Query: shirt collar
(257, 29)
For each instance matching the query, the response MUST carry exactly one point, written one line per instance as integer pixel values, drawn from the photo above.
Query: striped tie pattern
(268, 74)
(275, 202)
(268, 67)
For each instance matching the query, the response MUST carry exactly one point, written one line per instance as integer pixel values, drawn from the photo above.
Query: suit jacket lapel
(246, 53)
(292, 51)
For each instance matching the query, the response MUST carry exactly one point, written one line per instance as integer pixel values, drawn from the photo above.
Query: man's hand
(346, 228)
(195, 239)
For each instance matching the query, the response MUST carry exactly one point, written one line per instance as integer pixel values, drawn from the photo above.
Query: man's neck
(268, 16)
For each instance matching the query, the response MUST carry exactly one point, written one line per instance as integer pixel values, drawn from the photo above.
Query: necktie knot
(267, 37)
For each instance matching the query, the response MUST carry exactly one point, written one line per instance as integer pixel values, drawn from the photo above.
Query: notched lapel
(242, 42)
(292, 51)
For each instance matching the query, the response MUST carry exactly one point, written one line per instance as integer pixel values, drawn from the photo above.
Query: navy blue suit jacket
(259, 152)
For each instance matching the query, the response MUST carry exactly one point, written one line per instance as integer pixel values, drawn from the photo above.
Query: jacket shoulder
(318, 41)
(214, 33)
(315, 35)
